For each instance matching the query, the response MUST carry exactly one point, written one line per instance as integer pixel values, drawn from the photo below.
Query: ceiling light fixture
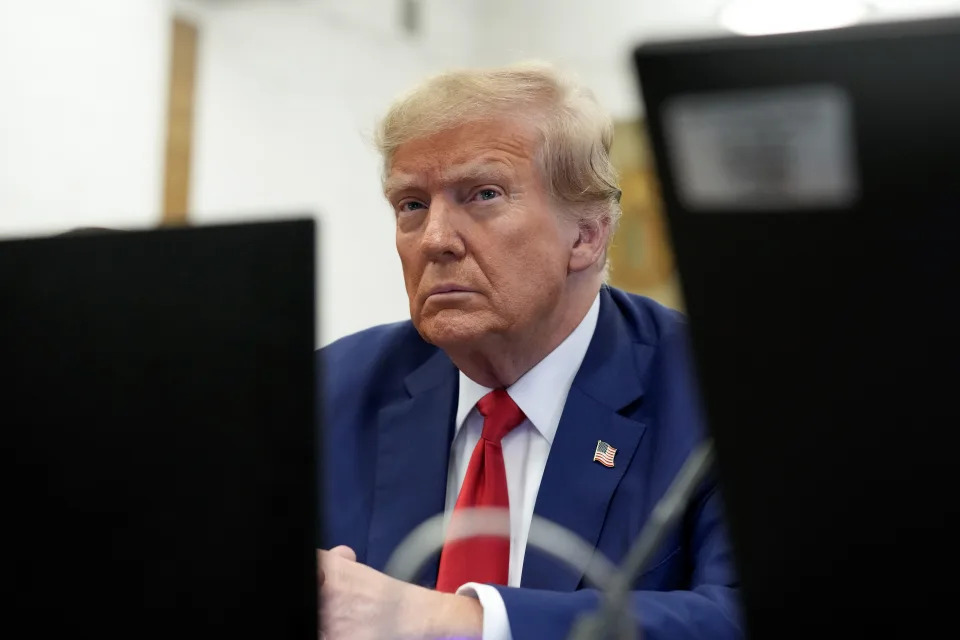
(764, 17)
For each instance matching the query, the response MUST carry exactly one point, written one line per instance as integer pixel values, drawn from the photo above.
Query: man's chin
(451, 328)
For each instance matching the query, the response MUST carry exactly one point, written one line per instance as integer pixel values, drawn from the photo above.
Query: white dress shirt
(541, 394)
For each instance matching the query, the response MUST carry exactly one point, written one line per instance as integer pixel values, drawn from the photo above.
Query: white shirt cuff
(496, 625)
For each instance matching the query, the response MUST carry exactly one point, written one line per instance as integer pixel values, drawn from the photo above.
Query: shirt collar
(541, 392)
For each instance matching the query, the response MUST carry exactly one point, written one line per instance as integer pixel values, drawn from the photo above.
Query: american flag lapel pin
(604, 454)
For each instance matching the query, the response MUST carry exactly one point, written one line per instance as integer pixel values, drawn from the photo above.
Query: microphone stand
(428, 538)
(614, 620)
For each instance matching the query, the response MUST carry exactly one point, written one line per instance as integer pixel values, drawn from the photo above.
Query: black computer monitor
(157, 433)
(812, 193)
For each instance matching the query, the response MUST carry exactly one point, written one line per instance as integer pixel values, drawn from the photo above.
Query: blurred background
(136, 113)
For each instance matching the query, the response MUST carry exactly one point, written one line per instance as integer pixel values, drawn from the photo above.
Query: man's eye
(486, 194)
(410, 206)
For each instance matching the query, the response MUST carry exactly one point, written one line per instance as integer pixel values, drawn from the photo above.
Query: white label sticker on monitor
(780, 149)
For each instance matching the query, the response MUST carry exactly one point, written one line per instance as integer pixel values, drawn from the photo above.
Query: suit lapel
(413, 449)
(575, 491)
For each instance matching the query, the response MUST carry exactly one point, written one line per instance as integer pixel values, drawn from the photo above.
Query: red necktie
(483, 559)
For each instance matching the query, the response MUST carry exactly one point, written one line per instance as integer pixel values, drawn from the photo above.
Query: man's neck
(501, 360)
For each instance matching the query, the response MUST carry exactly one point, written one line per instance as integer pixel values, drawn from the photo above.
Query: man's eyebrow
(482, 170)
(479, 170)
(402, 182)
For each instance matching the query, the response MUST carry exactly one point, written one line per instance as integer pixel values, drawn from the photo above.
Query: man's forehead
(473, 148)
(401, 176)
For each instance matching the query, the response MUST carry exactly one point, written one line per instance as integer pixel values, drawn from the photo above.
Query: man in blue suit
(522, 382)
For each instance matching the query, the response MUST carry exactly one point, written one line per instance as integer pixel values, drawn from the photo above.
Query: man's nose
(441, 239)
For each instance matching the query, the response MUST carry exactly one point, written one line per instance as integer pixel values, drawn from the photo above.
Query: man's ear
(590, 245)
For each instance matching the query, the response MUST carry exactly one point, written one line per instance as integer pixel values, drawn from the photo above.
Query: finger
(344, 552)
(321, 576)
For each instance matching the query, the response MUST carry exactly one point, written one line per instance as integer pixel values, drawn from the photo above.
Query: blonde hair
(576, 134)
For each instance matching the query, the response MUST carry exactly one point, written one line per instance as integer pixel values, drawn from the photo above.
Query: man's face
(483, 249)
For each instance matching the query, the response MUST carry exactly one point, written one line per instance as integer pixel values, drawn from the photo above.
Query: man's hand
(358, 603)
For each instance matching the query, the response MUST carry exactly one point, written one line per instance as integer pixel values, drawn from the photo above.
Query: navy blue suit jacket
(389, 406)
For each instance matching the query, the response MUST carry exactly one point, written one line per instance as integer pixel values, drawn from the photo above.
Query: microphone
(614, 620)
(429, 537)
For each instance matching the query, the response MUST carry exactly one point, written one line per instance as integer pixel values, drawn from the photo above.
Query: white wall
(595, 38)
(288, 95)
(82, 105)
